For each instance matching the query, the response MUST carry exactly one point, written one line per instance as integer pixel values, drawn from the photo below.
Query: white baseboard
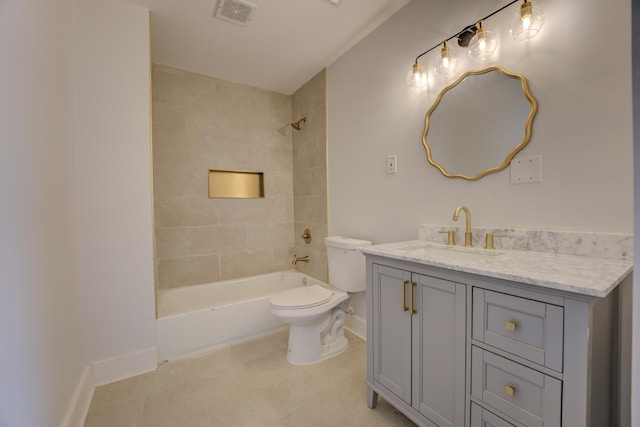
(126, 366)
(356, 326)
(79, 405)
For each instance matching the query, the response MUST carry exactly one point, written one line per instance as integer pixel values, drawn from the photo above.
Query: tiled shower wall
(310, 174)
(202, 123)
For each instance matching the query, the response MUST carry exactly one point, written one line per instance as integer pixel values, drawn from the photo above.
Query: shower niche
(231, 184)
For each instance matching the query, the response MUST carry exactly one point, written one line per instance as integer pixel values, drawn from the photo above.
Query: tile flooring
(246, 385)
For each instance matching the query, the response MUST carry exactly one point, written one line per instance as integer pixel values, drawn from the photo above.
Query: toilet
(317, 312)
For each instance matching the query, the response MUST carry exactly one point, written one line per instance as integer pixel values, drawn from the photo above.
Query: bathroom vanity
(474, 337)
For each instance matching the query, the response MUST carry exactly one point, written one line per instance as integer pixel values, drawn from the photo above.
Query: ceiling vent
(235, 11)
(335, 3)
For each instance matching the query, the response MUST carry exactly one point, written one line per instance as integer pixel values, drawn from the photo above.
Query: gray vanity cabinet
(450, 348)
(418, 335)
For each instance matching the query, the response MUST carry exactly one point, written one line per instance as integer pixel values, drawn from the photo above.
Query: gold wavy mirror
(478, 123)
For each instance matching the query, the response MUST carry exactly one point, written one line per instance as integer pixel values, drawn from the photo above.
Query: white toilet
(316, 312)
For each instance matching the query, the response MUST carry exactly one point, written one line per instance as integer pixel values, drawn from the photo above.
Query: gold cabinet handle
(509, 391)
(404, 296)
(510, 326)
(413, 285)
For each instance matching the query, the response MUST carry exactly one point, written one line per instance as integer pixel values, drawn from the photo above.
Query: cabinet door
(439, 334)
(392, 330)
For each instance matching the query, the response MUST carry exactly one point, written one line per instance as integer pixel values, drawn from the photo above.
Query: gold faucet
(467, 234)
(297, 259)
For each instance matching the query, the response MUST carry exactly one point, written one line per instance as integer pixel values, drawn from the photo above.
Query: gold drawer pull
(510, 326)
(509, 391)
(413, 311)
(404, 295)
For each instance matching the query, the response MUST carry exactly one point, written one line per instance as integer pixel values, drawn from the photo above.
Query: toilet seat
(304, 297)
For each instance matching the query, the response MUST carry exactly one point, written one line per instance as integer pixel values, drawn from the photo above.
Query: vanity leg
(372, 398)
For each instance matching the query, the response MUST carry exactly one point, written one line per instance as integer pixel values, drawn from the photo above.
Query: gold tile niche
(226, 184)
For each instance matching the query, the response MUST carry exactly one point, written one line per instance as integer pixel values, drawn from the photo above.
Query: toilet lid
(304, 297)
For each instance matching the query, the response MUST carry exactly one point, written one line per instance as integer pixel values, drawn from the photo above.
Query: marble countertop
(586, 275)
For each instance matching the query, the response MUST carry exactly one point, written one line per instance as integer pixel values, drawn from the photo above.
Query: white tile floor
(249, 384)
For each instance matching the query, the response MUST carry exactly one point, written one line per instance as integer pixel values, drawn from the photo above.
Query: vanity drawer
(480, 417)
(529, 329)
(528, 396)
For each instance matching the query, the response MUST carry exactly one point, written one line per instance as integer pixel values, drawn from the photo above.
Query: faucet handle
(451, 237)
(489, 239)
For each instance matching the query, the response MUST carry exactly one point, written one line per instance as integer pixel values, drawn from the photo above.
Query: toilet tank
(346, 263)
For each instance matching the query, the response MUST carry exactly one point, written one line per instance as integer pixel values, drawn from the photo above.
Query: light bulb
(417, 77)
(446, 62)
(527, 23)
(483, 44)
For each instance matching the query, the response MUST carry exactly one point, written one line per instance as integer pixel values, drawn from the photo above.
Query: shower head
(296, 125)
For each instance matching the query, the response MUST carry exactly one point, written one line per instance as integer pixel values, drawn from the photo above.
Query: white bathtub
(201, 318)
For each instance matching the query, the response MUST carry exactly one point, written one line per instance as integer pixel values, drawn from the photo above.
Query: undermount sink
(449, 250)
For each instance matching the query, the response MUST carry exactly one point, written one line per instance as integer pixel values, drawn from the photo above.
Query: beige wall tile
(183, 211)
(282, 209)
(202, 123)
(318, 185)
(270, 235)
(217, 239)
(269, 133)
(172, 242)
(282, 259)
(177, 272)
(244, 211)
(280, 108)
(207, 125)
(171, 85)
(278, 184)
(302, 183)
(169, 180)
(281, 160)
(309, 166)
(246, 263)
(311, 209)
(235, 156)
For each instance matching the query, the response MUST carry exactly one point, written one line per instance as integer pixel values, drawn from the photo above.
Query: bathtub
(200, 318)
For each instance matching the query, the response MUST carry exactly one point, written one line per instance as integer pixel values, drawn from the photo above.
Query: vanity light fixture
(482, 43)
(528, 22)
(446, 62)
(417, 77)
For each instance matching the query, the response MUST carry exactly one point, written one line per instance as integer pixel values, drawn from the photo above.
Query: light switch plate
(526, 170)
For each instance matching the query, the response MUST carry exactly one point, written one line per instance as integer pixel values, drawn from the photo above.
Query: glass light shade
(483, 44)
(446, 62)
(417, 77)
(527, 23)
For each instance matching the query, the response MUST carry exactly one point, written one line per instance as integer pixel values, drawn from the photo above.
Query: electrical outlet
(392, 166)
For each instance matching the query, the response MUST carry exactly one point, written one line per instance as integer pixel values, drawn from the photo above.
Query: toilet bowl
(317, 312)
(316, 330)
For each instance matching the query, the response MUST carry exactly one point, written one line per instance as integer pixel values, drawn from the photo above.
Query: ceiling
(286, 43)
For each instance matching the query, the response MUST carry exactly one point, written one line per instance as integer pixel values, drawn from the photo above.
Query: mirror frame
(527, 132)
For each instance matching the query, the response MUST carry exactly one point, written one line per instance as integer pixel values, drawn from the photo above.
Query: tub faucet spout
(297, 259)
(468, 237)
